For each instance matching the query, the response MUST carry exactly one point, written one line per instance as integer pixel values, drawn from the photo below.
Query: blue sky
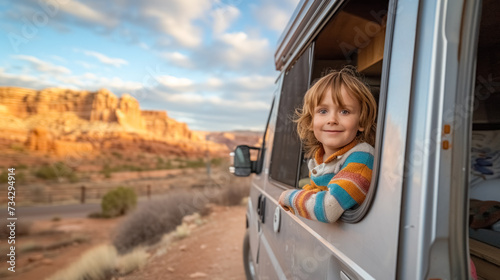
(209, 63)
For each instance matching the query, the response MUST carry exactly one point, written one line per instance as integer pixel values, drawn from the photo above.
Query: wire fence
(79, 194)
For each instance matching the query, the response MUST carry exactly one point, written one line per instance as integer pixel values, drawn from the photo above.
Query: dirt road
(212, 251)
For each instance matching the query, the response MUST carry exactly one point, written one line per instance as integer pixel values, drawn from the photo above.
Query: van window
(286, 148)
(353, 35)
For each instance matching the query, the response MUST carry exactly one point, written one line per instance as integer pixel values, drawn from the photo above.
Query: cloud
(254, 82)
(16, 80)
(216, 103)
(116, 62)
(232, 52)
(90, 81)
(144, 45)
(85, 12)
(176, 21)
(174, 83)
(223, 17)
(178, 59)
(43, 66)
(209, 112)
(238, 50)
(176, 18)
(87, 81)
(275, 15)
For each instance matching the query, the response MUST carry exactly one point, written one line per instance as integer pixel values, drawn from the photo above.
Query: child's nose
(332, 119)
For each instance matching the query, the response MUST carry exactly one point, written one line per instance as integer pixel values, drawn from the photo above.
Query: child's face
(336, 126)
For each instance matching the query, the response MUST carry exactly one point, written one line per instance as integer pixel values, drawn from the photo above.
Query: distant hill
(234, 138)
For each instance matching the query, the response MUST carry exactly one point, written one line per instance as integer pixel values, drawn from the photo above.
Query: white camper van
(434, 201)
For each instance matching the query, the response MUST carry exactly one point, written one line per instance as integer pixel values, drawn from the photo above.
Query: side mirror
(242, 164)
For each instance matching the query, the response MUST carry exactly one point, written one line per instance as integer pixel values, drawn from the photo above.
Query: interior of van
(335, 47)
(484, 180)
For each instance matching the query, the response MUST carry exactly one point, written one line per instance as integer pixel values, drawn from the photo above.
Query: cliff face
(61, 122)
(160, 124)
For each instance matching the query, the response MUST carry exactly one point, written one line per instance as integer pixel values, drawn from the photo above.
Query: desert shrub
(162, 164)
(21, 166)
(217, 161)
(56, 171)
(117, 154)
(232, 195)
(18, 147)
(188, 163)
(4, 177)
(107, 170)
(118, 202)
(151, 221)
(30, 247)
(23, 228)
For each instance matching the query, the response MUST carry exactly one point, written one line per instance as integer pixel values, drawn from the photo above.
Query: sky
(208, 63)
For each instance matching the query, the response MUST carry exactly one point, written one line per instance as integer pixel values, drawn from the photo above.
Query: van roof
(300, 28)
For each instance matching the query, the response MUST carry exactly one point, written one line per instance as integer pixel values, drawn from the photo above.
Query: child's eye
(322, 111)
(344, 112)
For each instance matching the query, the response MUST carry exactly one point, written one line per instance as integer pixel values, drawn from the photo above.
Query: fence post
(83, 195)
(149, 191)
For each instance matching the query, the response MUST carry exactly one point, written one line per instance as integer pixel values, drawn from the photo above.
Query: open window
(354, 34)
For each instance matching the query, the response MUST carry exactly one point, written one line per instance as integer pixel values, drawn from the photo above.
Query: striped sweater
(336, 185)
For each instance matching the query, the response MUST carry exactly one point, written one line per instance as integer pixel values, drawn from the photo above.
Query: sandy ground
(213, 250)
(40, 264)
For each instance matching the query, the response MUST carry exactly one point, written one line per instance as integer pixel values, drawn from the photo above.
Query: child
(337, 128)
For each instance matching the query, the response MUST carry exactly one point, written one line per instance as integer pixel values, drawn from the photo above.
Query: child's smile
(336, 126)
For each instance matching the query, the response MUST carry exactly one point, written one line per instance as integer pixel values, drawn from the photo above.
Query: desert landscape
(73, 147)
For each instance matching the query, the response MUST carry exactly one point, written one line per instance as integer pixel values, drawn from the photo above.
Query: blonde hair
(333, 81)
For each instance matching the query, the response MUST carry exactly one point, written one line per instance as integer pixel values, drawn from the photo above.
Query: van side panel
(305, 249)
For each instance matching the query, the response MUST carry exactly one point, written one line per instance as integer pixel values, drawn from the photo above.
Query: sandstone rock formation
(63, 122)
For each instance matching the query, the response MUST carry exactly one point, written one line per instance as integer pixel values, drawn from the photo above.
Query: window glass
(286, 147)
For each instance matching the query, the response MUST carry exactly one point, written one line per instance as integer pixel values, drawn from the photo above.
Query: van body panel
(416, 223)
(253, 223)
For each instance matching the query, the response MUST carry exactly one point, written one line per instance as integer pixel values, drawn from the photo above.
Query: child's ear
(361, 129)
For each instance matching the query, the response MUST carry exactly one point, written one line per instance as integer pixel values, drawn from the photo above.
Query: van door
(434, 241)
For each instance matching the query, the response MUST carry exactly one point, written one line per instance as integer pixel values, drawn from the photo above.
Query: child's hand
(281, 202)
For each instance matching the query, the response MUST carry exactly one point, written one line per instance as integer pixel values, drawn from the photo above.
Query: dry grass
(132, 261)
(97, 264)
(102, 263)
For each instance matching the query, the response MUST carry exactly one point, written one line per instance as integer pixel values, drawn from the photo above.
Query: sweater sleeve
(346, 189)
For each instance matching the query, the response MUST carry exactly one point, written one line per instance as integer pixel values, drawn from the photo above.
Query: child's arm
(346, 189)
